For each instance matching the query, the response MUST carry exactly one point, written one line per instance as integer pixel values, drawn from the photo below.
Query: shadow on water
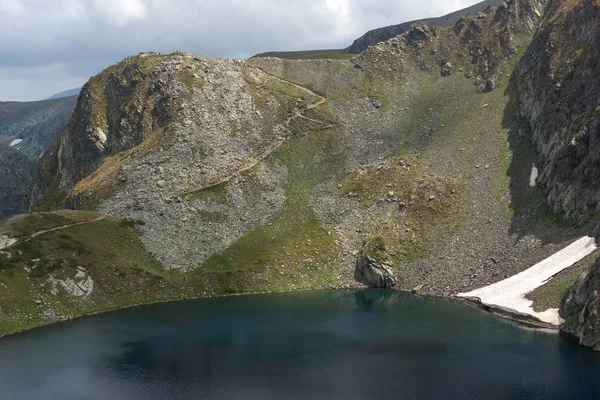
(374, 299)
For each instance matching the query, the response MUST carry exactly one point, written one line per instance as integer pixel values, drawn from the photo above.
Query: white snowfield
(509, 295)
(15, 142)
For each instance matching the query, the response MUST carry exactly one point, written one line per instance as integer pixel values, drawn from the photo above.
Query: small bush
(28, 250)
(46, 267)
(5, 262)
(378, 242)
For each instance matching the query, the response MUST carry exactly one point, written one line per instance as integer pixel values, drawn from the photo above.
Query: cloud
(120, 12)
(46, 44)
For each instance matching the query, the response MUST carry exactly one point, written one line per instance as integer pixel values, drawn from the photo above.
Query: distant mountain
(26, 130)
(375, 36)
(382, 34)
(66, 93)
(32, 126)
(16, 170)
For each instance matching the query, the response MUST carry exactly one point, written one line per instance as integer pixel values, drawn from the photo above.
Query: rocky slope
(372, 37)
(26, 130)
(375, 36)
(272, 174)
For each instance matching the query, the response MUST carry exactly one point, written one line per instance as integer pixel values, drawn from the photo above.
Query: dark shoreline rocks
(581, 308)
(374, 266)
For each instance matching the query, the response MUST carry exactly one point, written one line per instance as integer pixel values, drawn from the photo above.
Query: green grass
(293, 234)
(112, 254)
(290, 90)
(572, 322)
(552, 293)
(378, 243)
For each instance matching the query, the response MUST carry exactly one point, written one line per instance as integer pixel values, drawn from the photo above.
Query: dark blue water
(320, 345)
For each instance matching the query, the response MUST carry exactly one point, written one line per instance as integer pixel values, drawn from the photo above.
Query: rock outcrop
(559, 97)
(581, 308)
(375, 36)
(374, 266)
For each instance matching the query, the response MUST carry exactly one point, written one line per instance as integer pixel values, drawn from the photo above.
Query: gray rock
(581, 308)
(417, 289)
(373, 266)
(564, 123)
(447, 69)
(417, 35)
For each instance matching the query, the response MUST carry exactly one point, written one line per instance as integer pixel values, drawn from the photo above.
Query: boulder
(446, 69)
(417, 35)
(373, 266)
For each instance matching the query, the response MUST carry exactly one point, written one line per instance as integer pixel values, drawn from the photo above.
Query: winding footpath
(259, 156)
(12, 241)
(509, 295)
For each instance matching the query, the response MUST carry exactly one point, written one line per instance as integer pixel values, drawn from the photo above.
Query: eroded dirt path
(58, 228)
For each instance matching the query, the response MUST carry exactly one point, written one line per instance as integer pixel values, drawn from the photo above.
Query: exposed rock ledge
(581, 308)
(6, 241)
(509, 295)
(373, 266)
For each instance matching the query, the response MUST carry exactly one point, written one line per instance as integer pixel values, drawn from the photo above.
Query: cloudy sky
(50, 46)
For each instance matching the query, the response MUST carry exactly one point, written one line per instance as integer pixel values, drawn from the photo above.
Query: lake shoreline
(522, 320)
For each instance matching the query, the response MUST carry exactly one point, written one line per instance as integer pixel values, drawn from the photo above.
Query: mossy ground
(551, 294)
(113, 255)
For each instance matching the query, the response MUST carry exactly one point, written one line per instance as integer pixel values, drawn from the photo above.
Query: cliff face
(581, 308)
(559, 93)
(27, 129)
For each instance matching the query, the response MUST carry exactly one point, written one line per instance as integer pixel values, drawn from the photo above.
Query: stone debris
(82, 285)
(6, 241)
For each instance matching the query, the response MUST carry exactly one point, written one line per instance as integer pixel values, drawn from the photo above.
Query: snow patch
(5, 241)
(15, 142)
(509, 295)
(534, 175)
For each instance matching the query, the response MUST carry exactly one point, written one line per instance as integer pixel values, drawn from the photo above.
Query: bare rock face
(581, 308)
(559, 97)
(373, 266)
